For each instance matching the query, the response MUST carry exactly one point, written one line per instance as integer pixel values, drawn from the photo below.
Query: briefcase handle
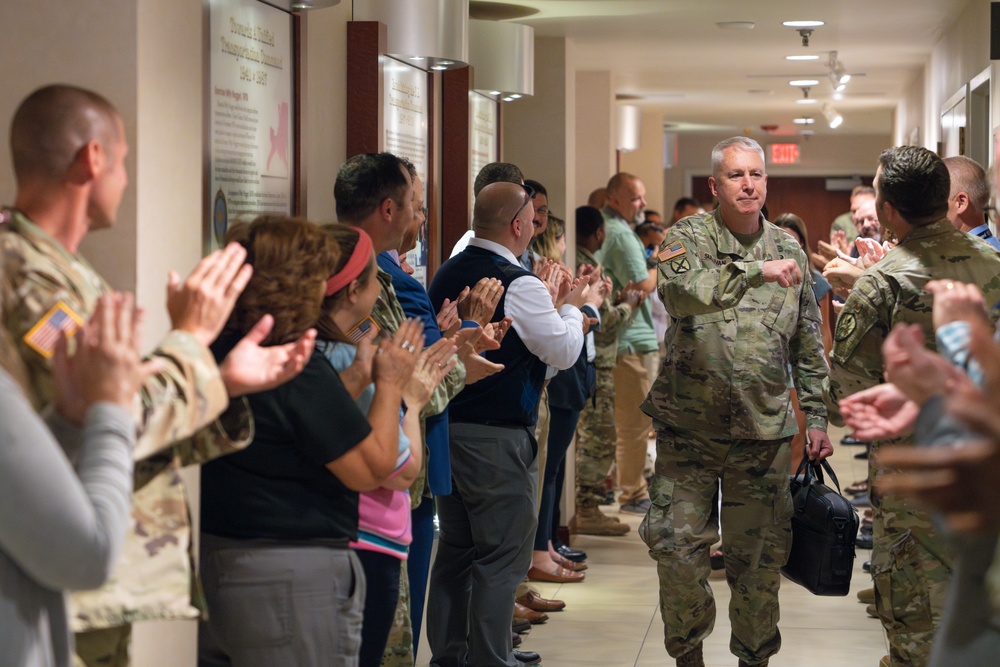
(814, 472)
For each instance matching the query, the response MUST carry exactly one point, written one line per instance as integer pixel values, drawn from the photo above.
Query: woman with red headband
(383, 514)
(282, 585)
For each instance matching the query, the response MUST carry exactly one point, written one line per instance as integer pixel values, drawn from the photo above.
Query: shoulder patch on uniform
(675, 249)
(362, 329)
(43, 336)
(846, 325)
(680, 265)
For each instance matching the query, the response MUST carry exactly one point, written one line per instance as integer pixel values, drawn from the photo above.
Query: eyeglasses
(531, 195)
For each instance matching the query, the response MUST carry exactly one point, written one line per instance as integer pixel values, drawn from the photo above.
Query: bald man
(488, 521)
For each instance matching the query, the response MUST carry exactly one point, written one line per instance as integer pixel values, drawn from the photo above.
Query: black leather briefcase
(824, 527)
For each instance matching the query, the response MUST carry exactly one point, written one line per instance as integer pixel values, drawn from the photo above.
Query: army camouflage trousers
(911, 567)
(596, 440)
(682, 525)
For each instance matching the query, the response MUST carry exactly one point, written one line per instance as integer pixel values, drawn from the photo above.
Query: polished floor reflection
(612, 619)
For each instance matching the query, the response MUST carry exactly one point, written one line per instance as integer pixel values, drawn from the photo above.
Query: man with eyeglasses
(488, 521)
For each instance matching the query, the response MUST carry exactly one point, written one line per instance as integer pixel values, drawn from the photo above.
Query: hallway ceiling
(669, 56)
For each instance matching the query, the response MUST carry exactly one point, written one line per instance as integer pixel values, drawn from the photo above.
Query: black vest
(510, 397)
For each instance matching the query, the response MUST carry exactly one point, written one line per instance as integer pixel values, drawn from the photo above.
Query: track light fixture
(838, 75)
(833, 118)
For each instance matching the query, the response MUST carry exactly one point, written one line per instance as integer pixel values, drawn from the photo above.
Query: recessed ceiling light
(515, 96)
(801, 57)
(798, 83)
(439, 68)
(803, 24)
(736, 25)
(806, 101)
(805, 120)
(416, 57)
(494, 92)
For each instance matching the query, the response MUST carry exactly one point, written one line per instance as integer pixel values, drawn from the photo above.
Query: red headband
(355, 265)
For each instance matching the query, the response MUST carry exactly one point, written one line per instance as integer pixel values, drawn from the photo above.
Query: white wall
(961, 54)
(595, 133)
(647, 161)
(539, 132)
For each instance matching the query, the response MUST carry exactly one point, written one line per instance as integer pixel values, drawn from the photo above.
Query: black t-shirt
(279, 486)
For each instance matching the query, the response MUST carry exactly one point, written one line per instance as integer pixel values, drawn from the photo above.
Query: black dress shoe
(515, 639)
(851, 440)
(861, 455)
(864, 540)
(568, 552)
(527, 657)
(867, 567)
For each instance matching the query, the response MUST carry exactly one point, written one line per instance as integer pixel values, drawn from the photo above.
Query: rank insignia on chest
(43, 336)
(673, 250)
(680, 265)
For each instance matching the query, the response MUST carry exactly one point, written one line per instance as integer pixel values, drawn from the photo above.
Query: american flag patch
(43, 336)
(362, 329)
(671, 251)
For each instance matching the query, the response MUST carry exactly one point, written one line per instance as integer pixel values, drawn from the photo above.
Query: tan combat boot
(692, 658)
(592, 521)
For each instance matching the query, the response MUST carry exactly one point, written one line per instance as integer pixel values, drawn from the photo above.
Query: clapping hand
(202, 303)
(250, 368)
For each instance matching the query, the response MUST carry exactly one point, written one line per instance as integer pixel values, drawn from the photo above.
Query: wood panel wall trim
(455, 157)
(366, 42)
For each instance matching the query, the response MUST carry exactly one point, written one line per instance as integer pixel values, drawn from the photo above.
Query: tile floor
(612, 619)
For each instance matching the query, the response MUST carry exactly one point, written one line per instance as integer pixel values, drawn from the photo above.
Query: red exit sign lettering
(785, 153)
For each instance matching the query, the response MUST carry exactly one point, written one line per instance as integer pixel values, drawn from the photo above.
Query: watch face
(220, 217)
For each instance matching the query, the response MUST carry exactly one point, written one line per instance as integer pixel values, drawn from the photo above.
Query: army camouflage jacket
(736, 343)
(614, 318)
(153, 578)
(892, 291)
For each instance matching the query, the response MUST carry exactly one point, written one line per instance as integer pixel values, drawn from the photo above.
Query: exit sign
(785, 153)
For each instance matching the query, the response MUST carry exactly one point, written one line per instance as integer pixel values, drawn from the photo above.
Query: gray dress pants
(484, 551)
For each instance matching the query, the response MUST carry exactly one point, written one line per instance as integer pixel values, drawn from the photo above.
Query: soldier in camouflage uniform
(745, 327)
(595, 433)
(45, 282)
(910, 563)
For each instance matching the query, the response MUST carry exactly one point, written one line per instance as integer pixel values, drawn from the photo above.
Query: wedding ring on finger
(410, 348)
(950, 285)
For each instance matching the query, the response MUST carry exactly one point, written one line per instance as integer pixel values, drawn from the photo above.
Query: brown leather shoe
(568, 564)
(558, 575)
(860, 486)
(534, 617)
(520, 624)
(532, 600)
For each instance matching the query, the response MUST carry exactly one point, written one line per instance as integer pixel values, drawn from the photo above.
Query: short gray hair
(968, 176)
(743, 143)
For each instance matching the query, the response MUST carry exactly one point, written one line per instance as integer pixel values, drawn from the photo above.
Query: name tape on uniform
(42, 337)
